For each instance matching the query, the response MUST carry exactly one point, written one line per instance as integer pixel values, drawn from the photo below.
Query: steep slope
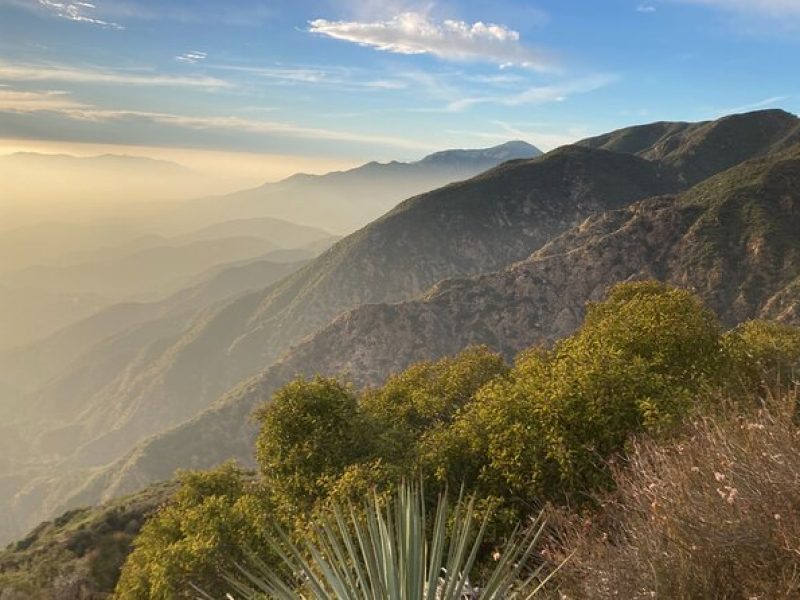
(699, 150)
(347, 200)
(733, 239)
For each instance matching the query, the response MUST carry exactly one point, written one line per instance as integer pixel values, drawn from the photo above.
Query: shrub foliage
(541, 430)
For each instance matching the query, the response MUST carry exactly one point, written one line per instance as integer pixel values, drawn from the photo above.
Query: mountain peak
(697, 151)
(510, 150)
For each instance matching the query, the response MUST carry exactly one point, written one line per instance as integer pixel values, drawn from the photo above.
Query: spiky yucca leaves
(385, 552)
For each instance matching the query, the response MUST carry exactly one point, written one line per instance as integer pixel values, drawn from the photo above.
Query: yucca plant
(385, 552)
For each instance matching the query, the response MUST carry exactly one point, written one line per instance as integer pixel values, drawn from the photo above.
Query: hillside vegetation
(646, 360)
(79, 554)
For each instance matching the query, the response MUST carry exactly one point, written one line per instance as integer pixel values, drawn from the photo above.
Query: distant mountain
(93, 180)
(141, 164)
(149, 273)
(28, 314)
(282, 234)
(31, 366)
(481, 158)
(62, 289)
(48, 241)
(344, 201)
(469, 238)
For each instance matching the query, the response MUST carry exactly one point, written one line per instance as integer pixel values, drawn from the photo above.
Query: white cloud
(28, 72)
(77, 11)
(192, 57)
(645, 8)
(417, 33)
(341, 77)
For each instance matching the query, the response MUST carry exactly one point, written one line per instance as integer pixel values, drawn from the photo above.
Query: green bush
(547, 430)
(426, 396)
(310, 433)
(763, 356)
(215, 517)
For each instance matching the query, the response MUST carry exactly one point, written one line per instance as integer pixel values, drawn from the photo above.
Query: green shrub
(763, 357)
(310, 433)
(212, 521)
(547, 430)
(426, 396)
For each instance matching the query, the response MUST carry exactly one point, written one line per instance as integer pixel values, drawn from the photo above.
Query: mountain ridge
(535, 300)
(345, 201)
(468, 229)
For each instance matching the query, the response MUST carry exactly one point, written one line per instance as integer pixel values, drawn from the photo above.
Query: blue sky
(324, 82)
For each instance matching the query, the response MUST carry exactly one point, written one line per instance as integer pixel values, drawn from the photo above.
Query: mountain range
(56, 290)
(344, 201)
(507, 258)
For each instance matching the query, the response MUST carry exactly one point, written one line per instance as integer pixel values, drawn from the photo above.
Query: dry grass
(715, 514)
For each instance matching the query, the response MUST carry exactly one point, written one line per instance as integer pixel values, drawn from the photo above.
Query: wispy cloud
(417, 33)
(61, 104)
(192, 57)
(31, 72)
(342, 77)
(768, 8)
(645, 8)
(772, 102)
(19, 101)
(77, 11)
(536, 95)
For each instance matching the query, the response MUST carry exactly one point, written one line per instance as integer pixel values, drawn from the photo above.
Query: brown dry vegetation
(714, 514)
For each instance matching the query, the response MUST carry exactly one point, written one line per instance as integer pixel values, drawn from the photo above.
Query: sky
(267, 88)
